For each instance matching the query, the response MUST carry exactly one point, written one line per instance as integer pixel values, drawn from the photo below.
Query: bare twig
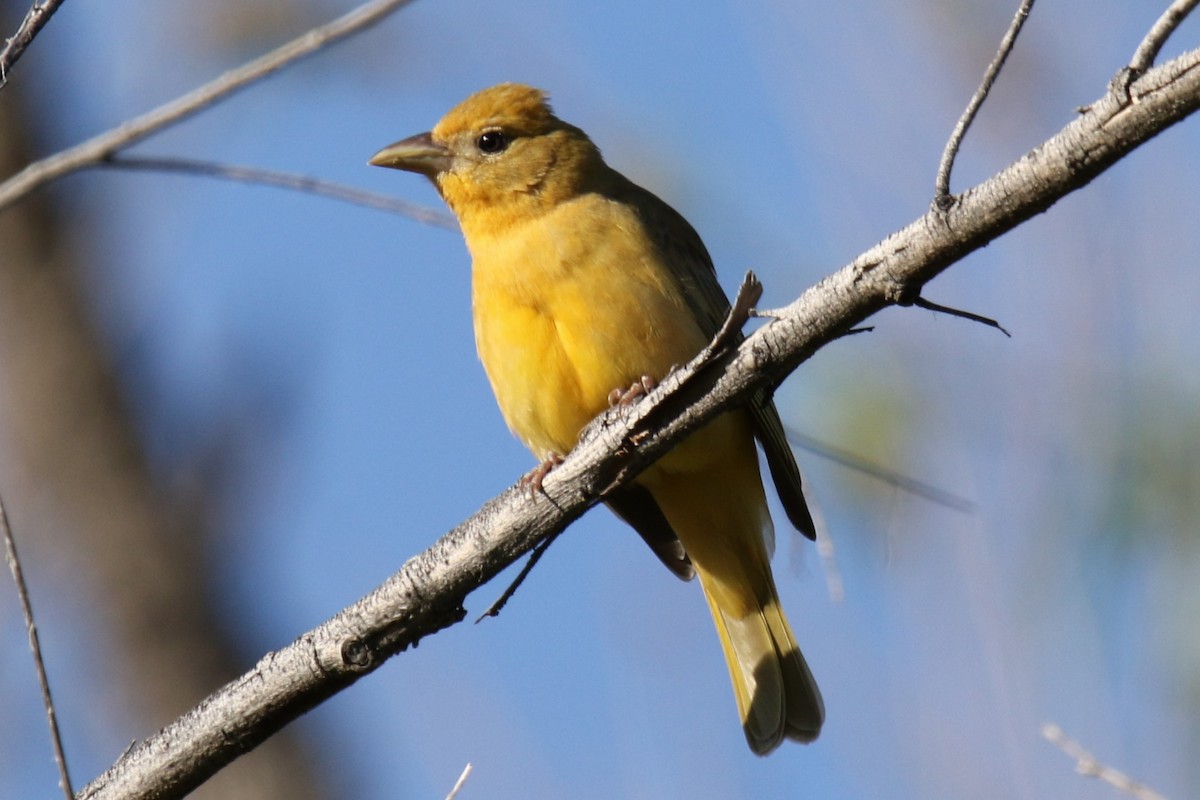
(126, 134)
(35, 19)
(941, 191)
(1143, 57)
(462, 779)
(428, 593)
(284, 180)
(929, 305)
(14, 566)
(500, 602)
(1086, 764)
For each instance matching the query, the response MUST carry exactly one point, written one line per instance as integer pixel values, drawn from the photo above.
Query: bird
(583, 282)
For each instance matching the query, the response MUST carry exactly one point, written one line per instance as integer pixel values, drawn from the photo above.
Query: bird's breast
(568, 307)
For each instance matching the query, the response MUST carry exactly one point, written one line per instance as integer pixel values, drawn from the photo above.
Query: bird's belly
(534, 381)
(554, 355)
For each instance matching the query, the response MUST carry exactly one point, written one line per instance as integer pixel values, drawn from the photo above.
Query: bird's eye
(492, 142)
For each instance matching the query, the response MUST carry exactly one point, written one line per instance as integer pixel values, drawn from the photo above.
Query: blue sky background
(793, 136)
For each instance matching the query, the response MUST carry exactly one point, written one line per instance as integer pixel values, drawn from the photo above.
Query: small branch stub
(357, 654)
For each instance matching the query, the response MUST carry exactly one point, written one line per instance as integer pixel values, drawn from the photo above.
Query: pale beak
(415, 154)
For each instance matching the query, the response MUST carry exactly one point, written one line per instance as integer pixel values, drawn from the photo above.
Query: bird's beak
(415, 154)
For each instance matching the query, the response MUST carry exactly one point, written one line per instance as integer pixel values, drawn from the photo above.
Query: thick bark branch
(429, 591)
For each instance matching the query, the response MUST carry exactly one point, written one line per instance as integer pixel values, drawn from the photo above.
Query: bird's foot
(625, 397)
(532, 480)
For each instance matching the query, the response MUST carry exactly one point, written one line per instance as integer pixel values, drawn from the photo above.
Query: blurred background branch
(1087, 764)
(135, 543)
(132, 131)
(285, 180)
(14, 46)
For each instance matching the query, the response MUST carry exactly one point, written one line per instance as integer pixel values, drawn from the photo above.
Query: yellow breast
(569, 306)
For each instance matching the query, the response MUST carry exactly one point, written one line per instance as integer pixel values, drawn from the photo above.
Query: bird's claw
(533, 479)
(625, 397)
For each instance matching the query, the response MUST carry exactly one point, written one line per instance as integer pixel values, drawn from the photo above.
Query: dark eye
(492, 142)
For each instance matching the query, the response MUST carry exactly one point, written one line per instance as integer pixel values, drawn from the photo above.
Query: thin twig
(35, 19)
(941, 191)
(1086, 764)
(14, 566)
(496, 607)
(929, 305)
(1143, 57)
(126, 134)
(462, 779)
(284, 180)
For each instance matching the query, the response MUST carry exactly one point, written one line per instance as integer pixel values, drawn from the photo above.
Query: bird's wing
(685, 253)
(768, 429)
(635, 505)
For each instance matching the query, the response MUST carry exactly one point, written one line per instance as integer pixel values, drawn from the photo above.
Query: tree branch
(283, 180)
(104, 145)
(35, 19)
(35, 647)
(1143, 57)
(1086, 764)
(429, 591)
(941, 188)
(880, 473)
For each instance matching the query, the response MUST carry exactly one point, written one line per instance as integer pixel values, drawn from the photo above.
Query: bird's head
(500, 151)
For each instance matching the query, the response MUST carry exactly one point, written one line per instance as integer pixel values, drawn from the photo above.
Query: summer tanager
(584, 282)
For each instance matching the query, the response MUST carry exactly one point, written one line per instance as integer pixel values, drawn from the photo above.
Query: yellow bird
(583, 282)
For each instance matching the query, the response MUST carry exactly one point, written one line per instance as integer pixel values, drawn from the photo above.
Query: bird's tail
(710, 492)
(777, 696)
